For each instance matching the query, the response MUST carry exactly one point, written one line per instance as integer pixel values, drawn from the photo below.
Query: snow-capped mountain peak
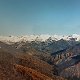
(13, 39)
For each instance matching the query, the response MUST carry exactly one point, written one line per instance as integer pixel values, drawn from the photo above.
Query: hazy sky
(21, 17)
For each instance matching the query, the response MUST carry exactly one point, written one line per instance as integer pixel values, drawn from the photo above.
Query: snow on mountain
(12, 39)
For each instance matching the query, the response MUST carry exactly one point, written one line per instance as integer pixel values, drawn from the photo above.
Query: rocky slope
(24, 67)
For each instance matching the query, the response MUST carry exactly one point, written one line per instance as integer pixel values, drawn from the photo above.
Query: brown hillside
(34, 63)
(9, 71)
(34, 74)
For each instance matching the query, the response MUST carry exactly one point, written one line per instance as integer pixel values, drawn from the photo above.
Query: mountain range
(40, 57)
(44, 37)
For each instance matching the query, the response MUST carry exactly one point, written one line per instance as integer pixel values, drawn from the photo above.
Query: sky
(22, 17)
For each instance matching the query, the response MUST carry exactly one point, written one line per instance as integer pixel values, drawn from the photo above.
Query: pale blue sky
(21, 17)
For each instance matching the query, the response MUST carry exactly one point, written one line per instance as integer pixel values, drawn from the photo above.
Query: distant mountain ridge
(12, 39)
